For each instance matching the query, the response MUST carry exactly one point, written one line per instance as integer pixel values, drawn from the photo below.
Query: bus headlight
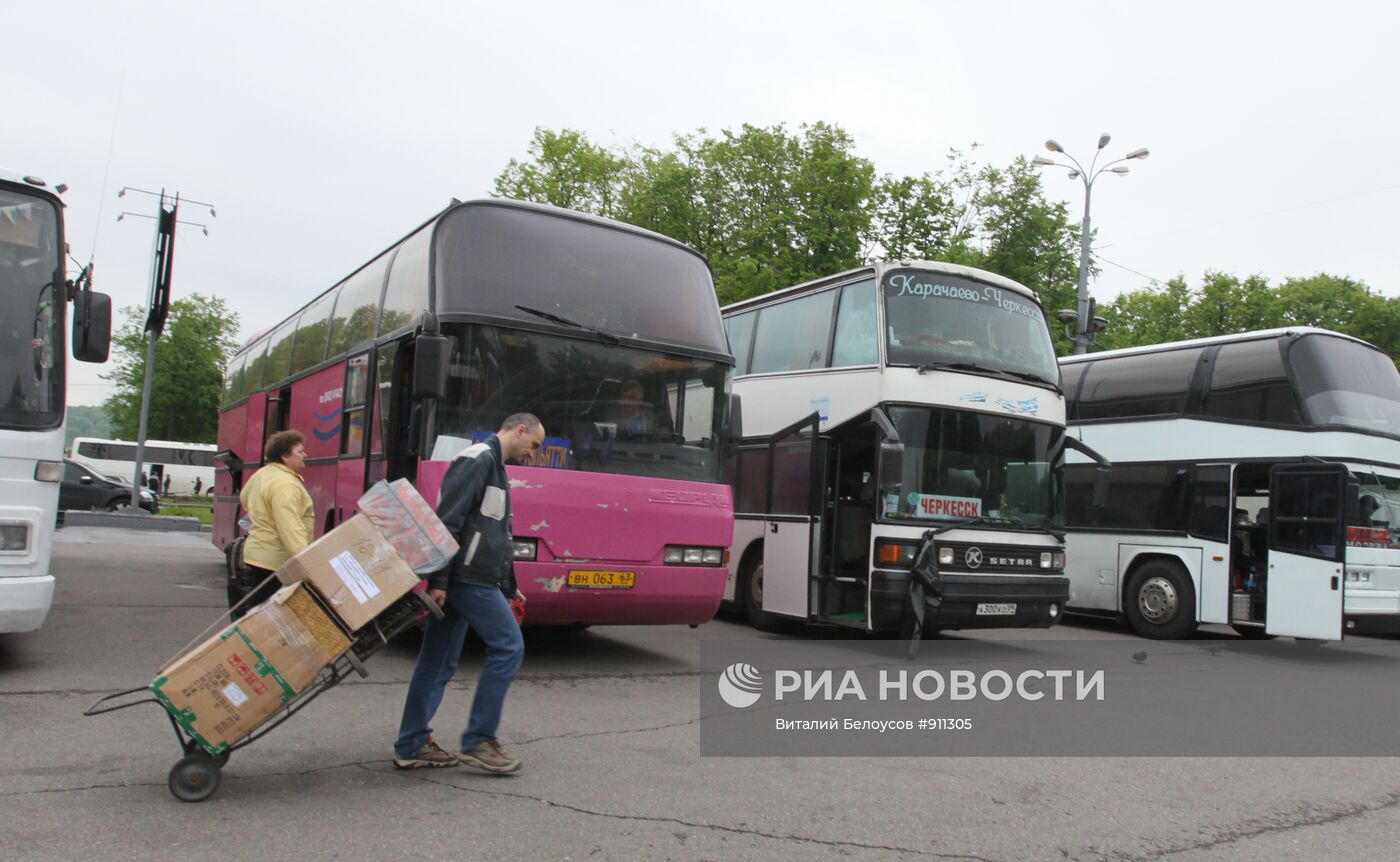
(945, 556)
(1359, 577)
(1052, 559)
(48, 471)
(1059, 560)
(689, 555)
(523, 549)
(14, 538)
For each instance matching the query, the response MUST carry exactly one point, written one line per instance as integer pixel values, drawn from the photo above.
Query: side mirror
(1101, 475)
(891, 463)
(86, 480)
(1103, 468)
(736, 420)
(92, 327)
(431, 353)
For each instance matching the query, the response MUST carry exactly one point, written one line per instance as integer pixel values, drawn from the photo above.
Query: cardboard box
(230, 684)
(354, 570)
(410, 525)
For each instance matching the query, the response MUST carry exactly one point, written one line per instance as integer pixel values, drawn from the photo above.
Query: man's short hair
(529, 420)
(281, 443)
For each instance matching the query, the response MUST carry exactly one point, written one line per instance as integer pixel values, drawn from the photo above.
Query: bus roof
(878, 269)
(1256, 335)
(454, 207)
(30, 183)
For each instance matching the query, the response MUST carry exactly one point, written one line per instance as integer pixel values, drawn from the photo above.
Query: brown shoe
(430, 756)
(490, 757)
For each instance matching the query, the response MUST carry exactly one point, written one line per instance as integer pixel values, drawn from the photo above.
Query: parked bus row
(35, 294)
(789, 453)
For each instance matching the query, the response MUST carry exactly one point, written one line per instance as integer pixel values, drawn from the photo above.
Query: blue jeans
(486, 610)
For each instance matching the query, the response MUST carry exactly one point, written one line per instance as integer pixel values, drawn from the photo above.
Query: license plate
(599, 580)
(990, 610)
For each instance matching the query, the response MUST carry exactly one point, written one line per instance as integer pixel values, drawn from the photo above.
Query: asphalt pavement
(606, 722)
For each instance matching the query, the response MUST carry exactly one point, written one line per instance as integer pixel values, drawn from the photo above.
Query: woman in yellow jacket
(277, 503)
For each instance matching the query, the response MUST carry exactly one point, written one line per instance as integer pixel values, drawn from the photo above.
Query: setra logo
(973, 557)
(741, 685)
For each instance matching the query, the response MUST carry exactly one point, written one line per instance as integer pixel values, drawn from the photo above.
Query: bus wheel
(752, 592)
(1161, 601)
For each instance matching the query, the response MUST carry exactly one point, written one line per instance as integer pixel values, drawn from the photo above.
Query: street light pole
(1086, 324)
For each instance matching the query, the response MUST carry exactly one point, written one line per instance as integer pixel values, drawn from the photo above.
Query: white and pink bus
(610, 334)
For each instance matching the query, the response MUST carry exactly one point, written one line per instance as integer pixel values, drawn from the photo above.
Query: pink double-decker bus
(609, 333)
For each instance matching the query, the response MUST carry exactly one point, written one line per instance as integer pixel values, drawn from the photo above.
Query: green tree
(567, 170)
(770, 207)
(190, 360)
(85, 421)
(1224, 305)
(1147, 316)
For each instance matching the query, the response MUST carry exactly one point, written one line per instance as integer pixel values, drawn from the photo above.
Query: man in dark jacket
(473, 591)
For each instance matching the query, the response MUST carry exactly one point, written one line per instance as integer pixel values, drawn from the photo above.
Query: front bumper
(25, 602)
(660, 595)
(1032, 594)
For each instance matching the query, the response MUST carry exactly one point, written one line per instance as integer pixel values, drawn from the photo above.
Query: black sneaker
(430, 756)
(489, 756)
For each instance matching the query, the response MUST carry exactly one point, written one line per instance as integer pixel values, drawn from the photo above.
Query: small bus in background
(882, 403)
(188, 465)
(609, 333)
(35, 294)
(1256, 483)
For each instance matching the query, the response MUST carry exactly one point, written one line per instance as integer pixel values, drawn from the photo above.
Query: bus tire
(751, 594)
(1161, 602)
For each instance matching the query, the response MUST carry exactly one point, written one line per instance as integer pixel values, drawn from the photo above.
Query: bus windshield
(934, 318)
(605, 408)
(1345, 383)
(31, 337)
(960, 464)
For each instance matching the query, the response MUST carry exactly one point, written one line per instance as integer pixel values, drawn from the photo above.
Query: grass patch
(205, 513)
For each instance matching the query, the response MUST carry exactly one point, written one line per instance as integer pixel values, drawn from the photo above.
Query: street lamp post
(1086, 324)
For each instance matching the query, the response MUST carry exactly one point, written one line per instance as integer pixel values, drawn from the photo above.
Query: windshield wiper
(564, 321)
(1032, 377)
(955, 366)
(983, 369)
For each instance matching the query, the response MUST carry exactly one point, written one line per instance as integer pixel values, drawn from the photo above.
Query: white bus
(189, 466)
(1256, 483)
(34, 295)
(880, 404)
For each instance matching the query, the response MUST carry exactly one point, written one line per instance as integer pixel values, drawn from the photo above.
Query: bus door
(1307, 551)
(354, 431)
(792, 525)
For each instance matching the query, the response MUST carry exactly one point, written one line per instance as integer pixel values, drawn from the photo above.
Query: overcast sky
(323, 132)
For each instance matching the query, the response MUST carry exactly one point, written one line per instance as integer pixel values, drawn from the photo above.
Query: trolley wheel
(194, 777)
(432, 606)
(357, 664)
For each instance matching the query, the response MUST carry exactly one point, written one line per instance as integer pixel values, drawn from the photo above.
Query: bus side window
(352, 434)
